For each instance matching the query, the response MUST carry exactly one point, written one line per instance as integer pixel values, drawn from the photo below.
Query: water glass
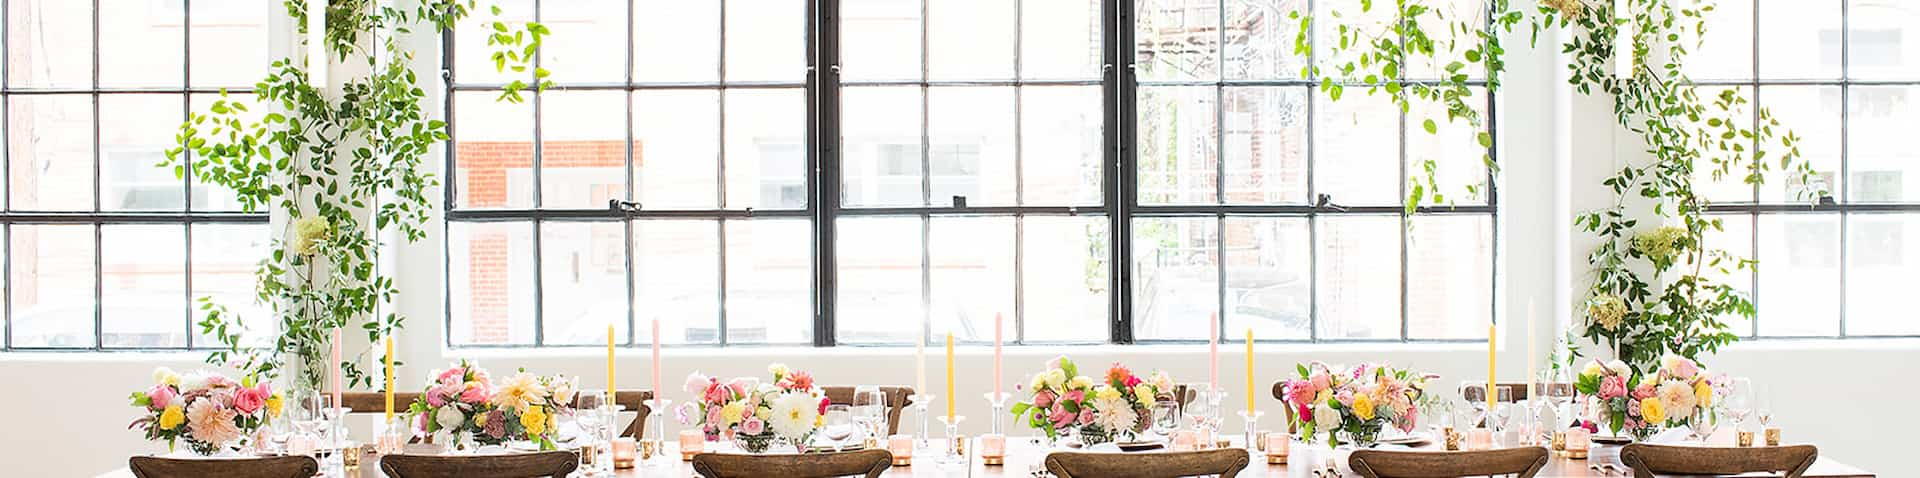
(839, 427)
(1739, 402)
(870, 410)
(1166, 417)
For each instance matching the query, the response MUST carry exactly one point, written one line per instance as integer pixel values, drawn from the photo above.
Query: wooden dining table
(1024, 455)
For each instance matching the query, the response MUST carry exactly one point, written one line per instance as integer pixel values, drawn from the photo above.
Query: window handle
(625, 207)
(1325, 201)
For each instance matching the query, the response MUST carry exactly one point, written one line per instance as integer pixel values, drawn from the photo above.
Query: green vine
(344, 165)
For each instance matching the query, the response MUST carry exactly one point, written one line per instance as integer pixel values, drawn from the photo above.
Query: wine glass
(1739, 402)
(1166, 417)
(870, 410)
(1199, 411)
(309, 417)
(839, 426)
(1763, 405)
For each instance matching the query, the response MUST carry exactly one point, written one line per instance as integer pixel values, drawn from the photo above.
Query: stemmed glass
(1763, 406)
(870, 410)
(839, 426)
(592, 423)
(1200, 411)
(1739, 403)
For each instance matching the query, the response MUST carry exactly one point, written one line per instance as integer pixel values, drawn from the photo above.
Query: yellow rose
(1143, 393)
(1593, 369)
(274, 404)
(1703, 393)
(166, 376)
(1081, 383)
(1039, 381)
(481, 419)
(778, 370)
(1652, 412)
(172, 417)
(1057, 380)
(733, 412)
(1106, 393)
(535, 421)
(1363, 406)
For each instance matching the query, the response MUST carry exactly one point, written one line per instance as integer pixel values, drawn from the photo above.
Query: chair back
(868, 463)
(274, 467)
(1224, 462)
(375, 402)
(546, 464)
(1477, 392)
(1518, 462)
(896, 401)
(1647, 460)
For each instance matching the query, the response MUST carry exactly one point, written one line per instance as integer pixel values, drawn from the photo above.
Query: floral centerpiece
(463, 403)
(756, 415)
(1675, 395)
(1353, 405)
(1067, 403)
(208, 410)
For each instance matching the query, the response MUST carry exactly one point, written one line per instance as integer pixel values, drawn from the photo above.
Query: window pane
(50, 149)
(1176, 277)
(135, 132)
(970, 130)
(49, 44)
(143, 295)
(1799, 275)
(1358, 270)
(1061, 130)
(676, 41)
(490, 282)
(1177, 39)
(1260, 39)
(766, 149)
(211, 197)
(224, 259)
(140, 45)
(880, 147)
(52, 285)
(972, 276)
(769, 282)
(230, 41)
(676, 270)
(1454, 150)
(1813, 114)
(1449, 277)
(1060, 40)
(583, 149)
(1882, 166)
(1064, 278)
(971, 39)
(585, 53)
(1736, 238)
(1880, 273)
(583, 282)
(1800, 39)
(1376, 22)
(1357, 150)
(1729, 185)
(766, 40)
(676, 149)
(1269, 277)
(493, 157)
(880, 39)
(1726, 47)
(1463, 19)
(473, 60)
(880, 297)
(1266, 145)
(1179, 153)
(1878, 39)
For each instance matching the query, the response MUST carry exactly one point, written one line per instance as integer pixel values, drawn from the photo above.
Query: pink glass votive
(692, 442)
(1184, 440)
(390, 443)
(300, 444)
(624, 450)
(1480, 439)
(993, 449)
(1277, 444)
(901, 446)
(1578, 441)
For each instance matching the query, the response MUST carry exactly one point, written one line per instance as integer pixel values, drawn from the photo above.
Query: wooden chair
(546, 464)
(1225, 462)
(374, 402)
(1647, 460)
(868, 463)
(896, 402)
(275, 467)
(1519, 462)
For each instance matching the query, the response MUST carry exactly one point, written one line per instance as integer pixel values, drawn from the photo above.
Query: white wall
(68, 412)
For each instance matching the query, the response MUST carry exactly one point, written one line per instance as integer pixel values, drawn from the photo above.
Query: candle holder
(657, 415)
(993, 445)
(1250, 435)
(336, 442)
(901, 446)
(393, 439)
(1773, 436)
(692, 442)
(920, 403)
(956, 449)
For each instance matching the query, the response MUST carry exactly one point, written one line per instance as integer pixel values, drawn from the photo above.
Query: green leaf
(1430, 126)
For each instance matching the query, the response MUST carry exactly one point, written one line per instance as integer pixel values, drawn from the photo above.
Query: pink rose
(250, 400)
(1320, 381)
(753, 426)
(1043, 399)
(1075, 396)
(160, 396)
(1643, 392)
(738, 386)
(1299, 392)
(1060, 416)
(1681, 367)
(1344, 396)
(1613, 386)
(1086, 416)
(476, 393)
(452, 375)
(713, 416)
(696, 383)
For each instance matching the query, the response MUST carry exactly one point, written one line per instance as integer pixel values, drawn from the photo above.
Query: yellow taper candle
(610, 388)
(950, 395)
(389, 378)
(1491, 396)
(1249, 371)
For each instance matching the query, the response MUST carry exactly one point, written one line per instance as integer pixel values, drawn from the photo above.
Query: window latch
(623, 207)
(1325, 202)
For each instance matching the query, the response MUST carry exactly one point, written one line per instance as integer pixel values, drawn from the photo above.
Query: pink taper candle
(996, 354)
(656, 359)
(1213, 351)
(336, 367)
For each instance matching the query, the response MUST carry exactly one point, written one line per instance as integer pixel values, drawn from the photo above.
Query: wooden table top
(1023, 456)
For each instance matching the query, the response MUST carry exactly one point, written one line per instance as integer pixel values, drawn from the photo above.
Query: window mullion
(823, 128)
(1119, 110)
